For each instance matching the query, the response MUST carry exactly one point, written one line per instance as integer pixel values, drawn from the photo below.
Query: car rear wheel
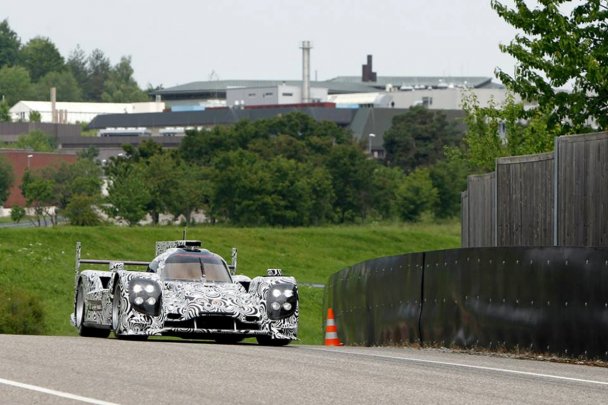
(268, 341)
(80, 310)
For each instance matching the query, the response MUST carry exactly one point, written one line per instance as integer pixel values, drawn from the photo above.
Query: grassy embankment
(42, 260)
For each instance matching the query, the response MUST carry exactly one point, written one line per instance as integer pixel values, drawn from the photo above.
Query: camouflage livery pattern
(186, 308)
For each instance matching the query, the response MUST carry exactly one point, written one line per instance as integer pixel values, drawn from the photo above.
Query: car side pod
(331, 331)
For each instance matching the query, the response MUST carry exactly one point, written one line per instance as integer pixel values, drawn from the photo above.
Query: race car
(186, 291)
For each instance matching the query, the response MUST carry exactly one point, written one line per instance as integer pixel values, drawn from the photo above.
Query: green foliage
(39, 195)
(65, 83)
(385, 183)
(40, 56)
(5, 114)
(7, 178)
(34, 116)
(9, 44)
(351, 173)
(15, 84)
(417, 138)
(449, 178)
(37, 141)
(98, 71)
(81, 178)
(128, 194)
(120, 86)
(505, 130)
(555, 49)
(416, 195)
(17, 213)
(90, 153)
(284, 171)
(80, 211)
(21, 313)
(77, 65)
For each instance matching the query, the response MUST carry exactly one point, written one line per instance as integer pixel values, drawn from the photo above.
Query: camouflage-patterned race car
(186, 291)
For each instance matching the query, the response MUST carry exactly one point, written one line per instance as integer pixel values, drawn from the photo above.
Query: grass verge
(41, 261)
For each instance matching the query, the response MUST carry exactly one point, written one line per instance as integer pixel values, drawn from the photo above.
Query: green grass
(42, 260)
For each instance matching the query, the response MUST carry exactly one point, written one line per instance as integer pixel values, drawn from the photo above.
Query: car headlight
(282, 300)
(144, 295)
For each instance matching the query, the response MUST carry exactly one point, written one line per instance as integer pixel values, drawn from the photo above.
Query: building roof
(215, 116)
(97, 108)
(337, 85)
(418, 81)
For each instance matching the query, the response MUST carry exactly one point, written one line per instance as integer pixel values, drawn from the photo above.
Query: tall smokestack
(306, 47)
(53, 105)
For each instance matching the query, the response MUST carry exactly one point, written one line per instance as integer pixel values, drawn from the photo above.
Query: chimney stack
(368, 75)
(306, 47)
(54, 105)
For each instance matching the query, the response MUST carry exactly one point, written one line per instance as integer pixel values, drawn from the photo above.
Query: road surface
(75, 370)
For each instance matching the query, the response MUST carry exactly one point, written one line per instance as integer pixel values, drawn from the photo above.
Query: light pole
(370, 137)
(28, 161)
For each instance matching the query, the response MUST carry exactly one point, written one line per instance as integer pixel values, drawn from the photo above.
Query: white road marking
(500, 370)
(56, 393)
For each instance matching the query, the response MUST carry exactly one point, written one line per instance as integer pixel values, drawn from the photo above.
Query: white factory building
(272, 95)
(73, 113)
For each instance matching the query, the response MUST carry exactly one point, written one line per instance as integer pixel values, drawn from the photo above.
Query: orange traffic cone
(331, 332)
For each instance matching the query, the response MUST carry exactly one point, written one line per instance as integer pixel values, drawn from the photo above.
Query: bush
(416, 195)
(21, 313)
(80, 211)
(17, 213)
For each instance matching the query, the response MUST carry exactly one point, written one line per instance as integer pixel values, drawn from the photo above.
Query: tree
(77, 65)
(65, 83)
(38, 193)
(191, 190)
(351, 173)
(496, 131)
(5, 113)
(34, 116)
(7, 178)
(98, 70)
(416, 195)
(385, 183)
(37, 141)
(17, 213)
(82, 178)
(80, 211)
(15, 84)
(40, 56)
(417, 138)
(9, 45)
(120, 87)
(556, 49)
(128, 194)
(449, 178)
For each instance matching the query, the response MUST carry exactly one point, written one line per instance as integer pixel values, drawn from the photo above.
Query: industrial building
(73, 112)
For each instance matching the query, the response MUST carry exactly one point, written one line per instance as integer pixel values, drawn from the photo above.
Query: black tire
(268, 341)
(79, 311)
(117, 313)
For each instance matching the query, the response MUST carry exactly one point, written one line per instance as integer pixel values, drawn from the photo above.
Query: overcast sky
(180, 41)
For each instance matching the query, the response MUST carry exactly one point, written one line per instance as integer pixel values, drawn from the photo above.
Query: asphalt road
(74, 370)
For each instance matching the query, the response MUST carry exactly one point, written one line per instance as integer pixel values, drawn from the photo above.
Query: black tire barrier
(551, 300)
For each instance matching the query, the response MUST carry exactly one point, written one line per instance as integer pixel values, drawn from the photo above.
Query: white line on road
(500, 370)
(56, 393)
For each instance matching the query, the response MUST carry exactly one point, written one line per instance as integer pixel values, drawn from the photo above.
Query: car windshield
(195, 266)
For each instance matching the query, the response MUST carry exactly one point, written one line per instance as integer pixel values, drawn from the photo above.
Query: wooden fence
(558, 198)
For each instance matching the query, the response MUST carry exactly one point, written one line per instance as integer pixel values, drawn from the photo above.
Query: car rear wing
(113, 264)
